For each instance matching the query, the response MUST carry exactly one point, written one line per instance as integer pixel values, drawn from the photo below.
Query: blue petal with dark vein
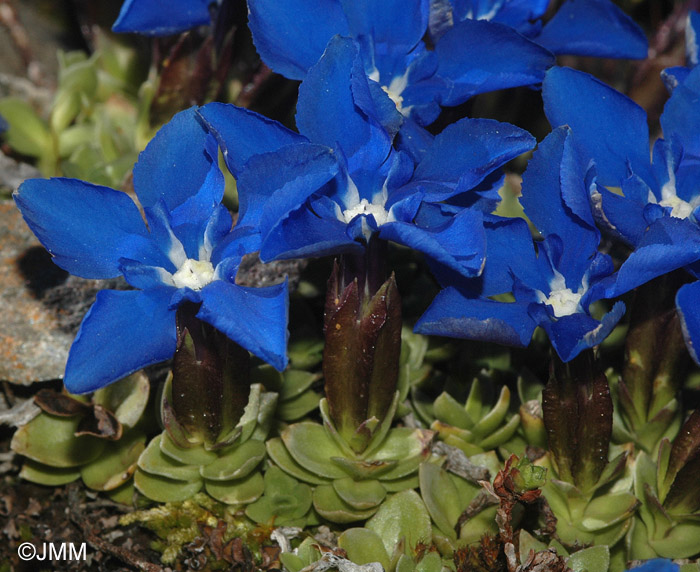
(123, 332)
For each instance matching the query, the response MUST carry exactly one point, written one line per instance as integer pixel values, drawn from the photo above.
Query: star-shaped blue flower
(337, 183)
(186, 253)
(292, 35)
(552, 288)
(658, 210)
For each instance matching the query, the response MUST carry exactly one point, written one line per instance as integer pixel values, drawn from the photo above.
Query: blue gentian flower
(331, 187)
(187, 253)
(657, 565)
(658, 210)
(552, 288)
(291, 36)
(158, 18)
(595, 28)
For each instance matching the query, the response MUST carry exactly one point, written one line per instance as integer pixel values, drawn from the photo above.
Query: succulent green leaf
(51, 440)
(362, 494)
(501, 435)
(116, 465)
(237, 491)
(197, 456)
(27, 133)
(155, 462)
(311, 447)
(685, 447)
(163, 489)
(682, 541)
(279, 454)
(528, 543)
(448, 410)
(606, 510)
(48, 475)
(592, 559)
(284, 501)
(235, 463)
(331, 507)
(402, 517)
(360, 470)
(402, 484)
(126, 399)
(297, 407)
(438, 492)
(364, 546)
(494, 418)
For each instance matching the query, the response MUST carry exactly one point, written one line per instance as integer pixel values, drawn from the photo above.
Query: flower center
(564, 302)
(394, 96)
(194, 274)
(364, 207)
(679, 207)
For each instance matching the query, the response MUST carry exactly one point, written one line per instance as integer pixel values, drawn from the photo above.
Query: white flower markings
(194, 274)
(561, 299)
(354, 207)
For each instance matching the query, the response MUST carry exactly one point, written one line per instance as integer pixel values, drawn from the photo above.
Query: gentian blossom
(657, 565)
(331, 187)
(657, 210)
(476, 46)
(187, 253)
(553, 287)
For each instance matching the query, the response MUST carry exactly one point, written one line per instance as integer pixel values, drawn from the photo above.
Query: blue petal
(123, 332)
(670, 243)
(610, 128)
(456, 316)
(467, 151)
(459, 244)
(278, 182)
(175, 163)
(681, 116)
(572, 334)
(327, 112)
(689, 311)
(555, 198)
(160, 17)
(478, 56)
(290, 36)
(414, 140)
(595, 28)
(393, 25)
(658, 565)
(619, 215)
(87, 228)
(242, 133)
(254, 318)
(303, 233)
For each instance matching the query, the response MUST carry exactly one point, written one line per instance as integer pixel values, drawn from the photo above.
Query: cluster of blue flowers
(363, 167)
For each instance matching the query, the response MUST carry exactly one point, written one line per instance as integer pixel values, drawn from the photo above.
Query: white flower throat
(563, 301)
(194, 274)
(364, 207)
